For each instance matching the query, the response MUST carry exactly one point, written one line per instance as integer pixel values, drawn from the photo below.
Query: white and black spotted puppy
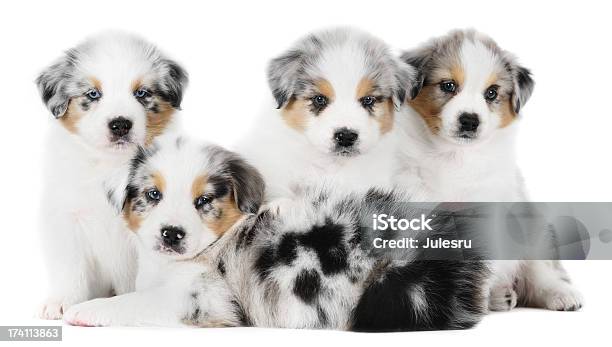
(208, 258)
(337, 92)
(109, 95)
(458, 145)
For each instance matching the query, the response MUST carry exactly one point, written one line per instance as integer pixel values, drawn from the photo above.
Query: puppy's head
(114, 91)
(339, 89)
(470, 87)
(183, 196)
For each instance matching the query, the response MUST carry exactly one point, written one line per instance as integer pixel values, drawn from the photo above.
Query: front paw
(93, 313)
(51, 309)
(502, 298)
(565, 298)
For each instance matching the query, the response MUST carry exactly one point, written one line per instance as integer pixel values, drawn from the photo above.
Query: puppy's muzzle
(172, 237)
(468, 125)
(120, 127)
(345, 137)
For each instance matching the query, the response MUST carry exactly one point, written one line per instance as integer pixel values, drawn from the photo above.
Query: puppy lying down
(209, 256)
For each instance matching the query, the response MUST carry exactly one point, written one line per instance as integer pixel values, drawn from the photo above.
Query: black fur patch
(326, 240)
(448, 288)
(221, 267)
(265, 262)
(307, 285)
(287, 249)
(244, 319)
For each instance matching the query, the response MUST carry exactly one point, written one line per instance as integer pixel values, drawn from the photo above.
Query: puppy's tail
(423, 295)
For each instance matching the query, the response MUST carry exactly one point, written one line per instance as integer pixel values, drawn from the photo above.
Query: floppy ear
(121, 188)
(52, 84)
(173, 82)
(523, 87)
(419, 60)
(283, 75)
(408, 84)
(248, 185)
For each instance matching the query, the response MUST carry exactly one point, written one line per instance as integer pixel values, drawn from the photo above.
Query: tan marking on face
(428, 107)
(198, 186)
(72, 116)
(457, 74)
(384, 116)
(492, 80)
(325, 88)
(136, 84)
(157, 122)
(132, 219)
(295, 114)
(507, 113)
(364, 88)
(229, 214)
(96, 83)
(158, 181)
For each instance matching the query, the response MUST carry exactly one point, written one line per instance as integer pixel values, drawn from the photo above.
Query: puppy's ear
(418, 59)
(121, 188)
(52, 84)
(283, 75)
(174, 80)
(248, 185)
(523, 87)
(408, 84)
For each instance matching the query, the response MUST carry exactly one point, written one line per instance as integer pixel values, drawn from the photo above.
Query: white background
(564, 146)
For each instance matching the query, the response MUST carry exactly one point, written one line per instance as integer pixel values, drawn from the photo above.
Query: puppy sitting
(458, 145)
(337, 92)
(207, 259)
(109, 95)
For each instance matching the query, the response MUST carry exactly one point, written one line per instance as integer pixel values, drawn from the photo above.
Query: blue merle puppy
(210, 255)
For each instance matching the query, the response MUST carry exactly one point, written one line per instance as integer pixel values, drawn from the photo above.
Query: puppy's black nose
(120, 126)
(345, 137)
(469, 122)
(172, 235)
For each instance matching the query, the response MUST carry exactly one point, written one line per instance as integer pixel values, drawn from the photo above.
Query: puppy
(108, 95)
(208, 259)
(458, 145)
(337, 92)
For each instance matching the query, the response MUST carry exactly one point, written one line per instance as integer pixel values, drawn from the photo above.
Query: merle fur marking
(62, 81)
(307, 285)
(341, 281)
(290, 74)
(440, 51)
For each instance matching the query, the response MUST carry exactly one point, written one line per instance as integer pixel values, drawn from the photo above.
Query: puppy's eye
(319, 101)
(142, 93)
(93, 94)
(491, 93)
(154, 195)
(201, 201)
(368, 101)
(448, 86)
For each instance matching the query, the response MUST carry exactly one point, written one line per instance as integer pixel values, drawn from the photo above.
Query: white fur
(88, 250)
(443, 167)
(287, 160)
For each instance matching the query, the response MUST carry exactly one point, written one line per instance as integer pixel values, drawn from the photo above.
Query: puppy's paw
(502, 298)
(563, 298)
(51, 309)
(94, 313)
